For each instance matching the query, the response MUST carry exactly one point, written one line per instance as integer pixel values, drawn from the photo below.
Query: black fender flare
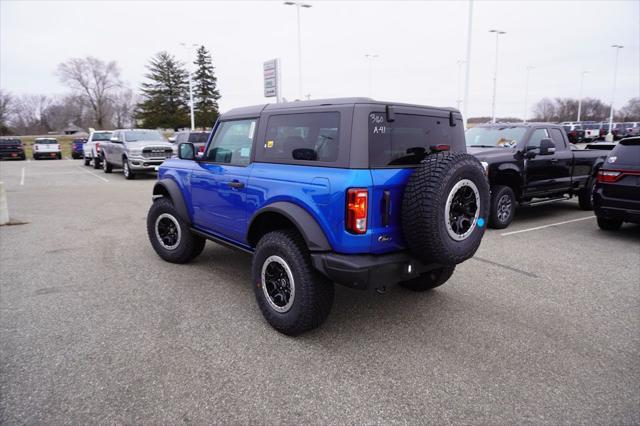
(169, 187)
(308, 227)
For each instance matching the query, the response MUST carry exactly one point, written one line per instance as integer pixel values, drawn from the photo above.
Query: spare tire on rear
(445, 208)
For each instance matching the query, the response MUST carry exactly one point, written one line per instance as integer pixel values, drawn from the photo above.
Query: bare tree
(544, 110)
(123, 106)
(631, 111)
(96, 81)
(30, 114)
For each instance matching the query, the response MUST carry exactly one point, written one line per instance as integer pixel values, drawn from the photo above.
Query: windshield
(143, 135)
(46, 141)
(198, 137)
(489, 137)
(101, 136)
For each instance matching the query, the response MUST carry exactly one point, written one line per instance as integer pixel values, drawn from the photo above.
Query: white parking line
(546, 226)
(22, 177)
(91, 173)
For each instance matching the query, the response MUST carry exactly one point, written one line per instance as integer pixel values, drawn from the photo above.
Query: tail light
(357, 202)
(608, 175)
(97, 146)
(201, 149)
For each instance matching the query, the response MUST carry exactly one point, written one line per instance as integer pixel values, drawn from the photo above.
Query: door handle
(235, 184)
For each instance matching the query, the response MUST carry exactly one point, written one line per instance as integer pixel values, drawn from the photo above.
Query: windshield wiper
(482, 146)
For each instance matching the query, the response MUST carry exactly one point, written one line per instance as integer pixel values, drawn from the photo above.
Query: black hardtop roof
(534, 124)
(256, 110)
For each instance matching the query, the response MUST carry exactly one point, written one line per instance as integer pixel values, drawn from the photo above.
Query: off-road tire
(424, 224)
(429, 280)
(609, 224)
(126, 170)
(189, 246)
(499, 195)
(106, 166)
(313, 292)
(585, 196)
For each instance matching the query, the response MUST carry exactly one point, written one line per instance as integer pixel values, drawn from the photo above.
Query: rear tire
(429, 280)
(87, 161)
(609, 224)
(585, 196)
(96, 163)
(503, 207)
(170, 235)
(106, 167)
(59, 156)
(291, 294)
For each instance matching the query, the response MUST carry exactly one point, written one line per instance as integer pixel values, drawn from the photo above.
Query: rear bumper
(616, 208)
(12, 156)
(366, 271)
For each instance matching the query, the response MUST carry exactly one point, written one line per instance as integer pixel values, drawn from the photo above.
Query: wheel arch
(168, 188)
(281, 215)
(510, 177)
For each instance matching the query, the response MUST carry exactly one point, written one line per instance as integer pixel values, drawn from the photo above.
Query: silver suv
(135, 150)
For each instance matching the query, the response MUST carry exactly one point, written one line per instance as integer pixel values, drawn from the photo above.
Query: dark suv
(352, 191)
(11, 148)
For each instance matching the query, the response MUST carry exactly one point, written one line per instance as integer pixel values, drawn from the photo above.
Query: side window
(232, 142)
(558, 138)
(303, 137)
(536, 137)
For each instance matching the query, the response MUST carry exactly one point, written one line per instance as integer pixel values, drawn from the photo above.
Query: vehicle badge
(612, 159)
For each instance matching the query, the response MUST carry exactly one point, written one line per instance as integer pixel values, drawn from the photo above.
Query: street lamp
(458, 95)
(193, 121)
(580, 97)
(465, 103)
(609, 137)
(495, 76)
(526, 92)
(371, 58)
(298, 5)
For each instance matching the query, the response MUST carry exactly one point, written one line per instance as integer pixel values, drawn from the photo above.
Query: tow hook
(381, 290)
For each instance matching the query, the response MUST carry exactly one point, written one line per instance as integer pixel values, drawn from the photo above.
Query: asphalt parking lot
(542, 326)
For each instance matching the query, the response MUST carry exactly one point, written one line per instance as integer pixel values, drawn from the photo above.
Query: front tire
(291, 294)
(170, 235)
(429, 280)
(126, 170)
(609, 224)
(503, 207)
(106, 167)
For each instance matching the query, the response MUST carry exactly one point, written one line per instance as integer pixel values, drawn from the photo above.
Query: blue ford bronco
(350, 191)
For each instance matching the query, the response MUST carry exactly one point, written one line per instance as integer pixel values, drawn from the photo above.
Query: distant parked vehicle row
(11, 149)
(197, 138)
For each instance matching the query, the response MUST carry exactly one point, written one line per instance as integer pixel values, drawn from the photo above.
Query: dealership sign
(271, 74)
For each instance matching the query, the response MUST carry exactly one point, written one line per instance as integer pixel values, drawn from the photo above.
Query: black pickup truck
(530, 163)
(11, 148)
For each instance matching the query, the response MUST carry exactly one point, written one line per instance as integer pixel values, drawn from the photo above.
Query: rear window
(101, 136)
(198, 137)
(46, 141)
(303, 137)
(408, 139)
(10, 141)
(494, 136)
(627, 151)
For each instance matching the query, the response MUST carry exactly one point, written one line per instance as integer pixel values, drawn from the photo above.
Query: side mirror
(547, 147)
(186, 151)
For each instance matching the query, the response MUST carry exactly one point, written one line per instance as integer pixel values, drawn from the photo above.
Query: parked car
(11, 149)
(135, 150)
(532, 163)
(630, 129)
(575, 132)
(591, 131)
(77, 148)
(46, 148)
(197, 138)
(617, 130)
(351, 191)
(91, 149)
(616, 198)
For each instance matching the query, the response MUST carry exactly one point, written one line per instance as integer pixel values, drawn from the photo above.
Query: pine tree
(205, 92)
(165, 95)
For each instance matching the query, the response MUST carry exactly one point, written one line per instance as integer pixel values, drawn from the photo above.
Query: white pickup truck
(46, 148)
(91, 149)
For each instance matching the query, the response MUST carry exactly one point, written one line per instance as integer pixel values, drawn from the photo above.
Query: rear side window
(303, 137)
(406, 140)
(558, 138)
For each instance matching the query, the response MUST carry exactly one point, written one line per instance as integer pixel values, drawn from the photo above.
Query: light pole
(193, 121)
(609, 137)
(580, 97)
(371, 58)
(495, 76)
(298, 5)
(465, 103)
(459, 80)
(526, 93)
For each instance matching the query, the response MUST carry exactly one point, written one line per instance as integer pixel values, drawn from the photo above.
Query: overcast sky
(418, 43)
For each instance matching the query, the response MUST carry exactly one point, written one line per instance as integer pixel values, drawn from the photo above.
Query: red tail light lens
(97, 146)
(201, 149)
(357, 203)
(608, 175)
